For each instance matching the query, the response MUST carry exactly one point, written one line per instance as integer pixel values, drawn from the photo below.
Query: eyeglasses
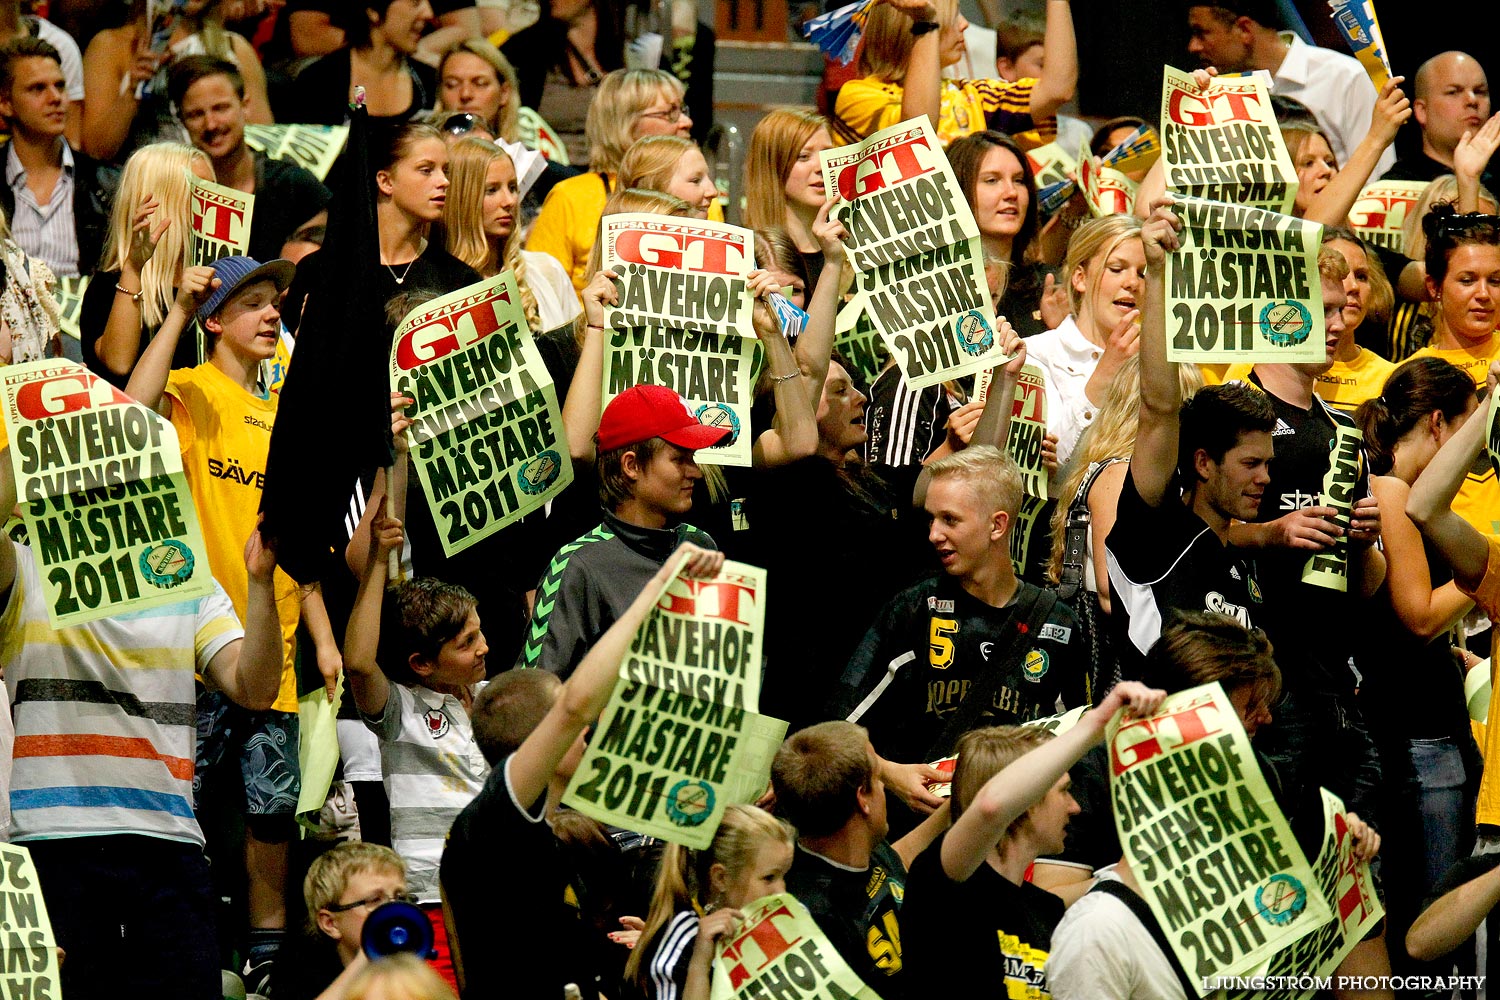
(371, 902)
(462, 123)
(1453, 225)
(671, 116)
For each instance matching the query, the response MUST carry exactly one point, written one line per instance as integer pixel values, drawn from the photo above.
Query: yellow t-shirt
(225, 434)
(1347, 384)
(1218, 374)
(867, 105)
(1478, 500)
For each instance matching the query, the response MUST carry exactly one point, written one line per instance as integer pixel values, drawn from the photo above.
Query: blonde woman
(1327, 191)
(906, 45)
(1110, 437)
(673, 165)
(631, 103)
(402, 976)
(473, 76)
(784, 182)
(148, 244)
(116, 119)
(1105, 270)
(481, 223)
(698, 898)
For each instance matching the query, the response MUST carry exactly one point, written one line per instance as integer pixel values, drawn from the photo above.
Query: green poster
(487, 437)
(1020, 532)
(856, 340)
(683, 320)
(1330, 568)
(314, 147)
(1349, 887)
(1224, 143)
(680, 738)
(914, 247)
(69, 296)
(30, 949)
(103, 495)
(779, 951)
(1209, 845)
(1243, 286)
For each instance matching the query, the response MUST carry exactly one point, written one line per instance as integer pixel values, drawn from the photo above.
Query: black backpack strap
(1025, 625)
(1076, 533)
(1142, 910)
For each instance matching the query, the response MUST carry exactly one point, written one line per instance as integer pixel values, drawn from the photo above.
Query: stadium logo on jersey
(1297, 500)
(437, 723)
(1057, 633)
(1035, 666)
(941, 605)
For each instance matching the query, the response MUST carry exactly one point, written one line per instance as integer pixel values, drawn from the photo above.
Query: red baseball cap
(651, 411)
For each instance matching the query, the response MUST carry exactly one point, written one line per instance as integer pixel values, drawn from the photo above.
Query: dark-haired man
(1198, 466)
(1241, 35)
(56, 198)
(209, 95)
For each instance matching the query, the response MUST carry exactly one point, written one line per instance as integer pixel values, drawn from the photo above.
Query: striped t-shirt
(104, 713)
(433, 768)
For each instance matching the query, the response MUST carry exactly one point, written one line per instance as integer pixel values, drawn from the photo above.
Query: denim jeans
(1447, 806)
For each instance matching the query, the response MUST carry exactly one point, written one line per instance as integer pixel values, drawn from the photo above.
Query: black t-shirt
(436, 271)
(1420, 167)
(286, 196)
(98, 300)
(323, 91)
(859, 911)
(1022, 302)
(1167, 559)
(904, 425)
(507, 888)
(931, 644)
(986, 937)
(1465, 957)
(1304, 622)
(844, 542)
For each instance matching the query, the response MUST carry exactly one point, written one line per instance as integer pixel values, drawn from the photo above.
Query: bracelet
(778, 379)
(134, 296)
(594, 326)
(920, 28)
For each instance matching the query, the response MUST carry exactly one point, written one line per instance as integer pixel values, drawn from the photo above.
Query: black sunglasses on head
(462, 123)
(1453, 225)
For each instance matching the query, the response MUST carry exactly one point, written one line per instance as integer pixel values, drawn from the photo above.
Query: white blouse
(1068, 360)
(556, 302)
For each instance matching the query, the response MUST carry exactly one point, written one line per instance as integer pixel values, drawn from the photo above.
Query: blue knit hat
(235, 272)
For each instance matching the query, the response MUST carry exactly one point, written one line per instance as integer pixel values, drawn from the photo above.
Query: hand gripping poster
(914, 247)
(1347, 884)
(778, 950)
(683, 320)
(1223, 143)
(487, 436)
(680, 738)
(106, 505)
(1209, 845)
(1243, 286)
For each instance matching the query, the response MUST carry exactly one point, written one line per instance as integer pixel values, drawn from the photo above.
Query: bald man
(1451, 97)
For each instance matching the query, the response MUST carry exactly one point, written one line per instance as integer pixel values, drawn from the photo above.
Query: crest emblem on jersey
(437, 723)
(1035, 666)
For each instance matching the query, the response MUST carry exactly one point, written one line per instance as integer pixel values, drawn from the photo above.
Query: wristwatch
(920, 28)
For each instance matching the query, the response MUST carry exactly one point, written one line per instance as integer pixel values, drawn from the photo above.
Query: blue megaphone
(396, 927)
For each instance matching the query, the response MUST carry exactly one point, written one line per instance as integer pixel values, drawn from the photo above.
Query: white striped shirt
(47, 232)
(668, 970)
(433, 768)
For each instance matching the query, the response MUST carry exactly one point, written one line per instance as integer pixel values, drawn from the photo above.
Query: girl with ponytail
(698, 899)
(1413, 687)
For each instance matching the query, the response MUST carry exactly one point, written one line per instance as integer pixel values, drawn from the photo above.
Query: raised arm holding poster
(683, 321)
(1223, 143)
(680, 738)
(779, 951)
(1210, 847)
(1379, 214)
(485, 424)
(1347, 884)
(106, 505)
(1330, 568)
(1028, 425)
(915, 250)
(1244, 286)
(313, 147)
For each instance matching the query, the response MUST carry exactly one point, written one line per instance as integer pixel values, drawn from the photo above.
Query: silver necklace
(401, 278)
